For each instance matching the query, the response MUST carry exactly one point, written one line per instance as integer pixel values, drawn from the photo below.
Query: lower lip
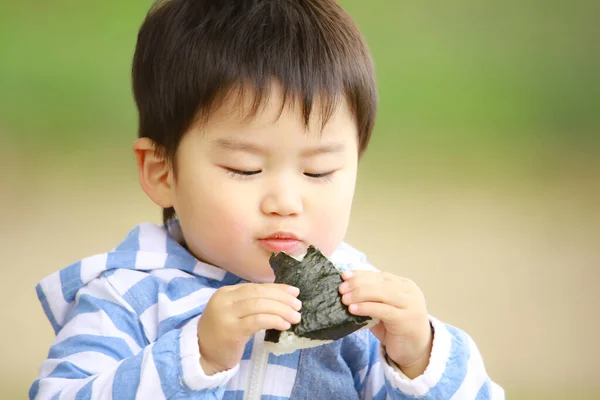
(289, 246)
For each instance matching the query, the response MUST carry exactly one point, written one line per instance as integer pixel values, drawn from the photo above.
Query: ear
(154, 172)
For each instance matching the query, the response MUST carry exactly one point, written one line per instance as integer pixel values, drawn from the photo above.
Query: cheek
(211, 209)
(229, 220)
(225, 215)
(332, 218)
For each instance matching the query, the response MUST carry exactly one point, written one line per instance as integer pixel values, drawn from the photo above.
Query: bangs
(249, 100)
(192, 55)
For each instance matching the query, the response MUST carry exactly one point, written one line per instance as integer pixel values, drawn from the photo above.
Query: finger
(365, 275)
(379, 293)
(254, 323)
(294, 291)
(380, 311)
(273, 291)
(266, 306)
(353, 279)
(359, 278)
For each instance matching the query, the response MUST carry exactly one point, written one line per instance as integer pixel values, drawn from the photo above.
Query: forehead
(243, 112)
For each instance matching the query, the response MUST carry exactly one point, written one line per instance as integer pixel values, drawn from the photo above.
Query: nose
(282, 198)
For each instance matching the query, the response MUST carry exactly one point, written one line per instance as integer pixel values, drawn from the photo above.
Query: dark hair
(191, 54)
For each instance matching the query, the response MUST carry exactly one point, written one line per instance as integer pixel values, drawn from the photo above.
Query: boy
(253, 115)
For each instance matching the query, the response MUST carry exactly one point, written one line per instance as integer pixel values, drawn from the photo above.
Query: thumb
(379, 332)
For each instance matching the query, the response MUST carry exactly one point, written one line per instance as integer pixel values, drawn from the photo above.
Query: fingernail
(297, 305)
(297, 317)
(294, 290)
(347, 298)
(343, 287)
(347, 274)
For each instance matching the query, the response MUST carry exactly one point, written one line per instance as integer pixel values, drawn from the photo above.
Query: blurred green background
(482, 182)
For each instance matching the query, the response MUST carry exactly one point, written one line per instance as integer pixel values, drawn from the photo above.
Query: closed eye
(323, 175)
(240, 174)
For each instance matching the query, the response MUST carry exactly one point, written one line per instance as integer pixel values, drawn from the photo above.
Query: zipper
(258, 368)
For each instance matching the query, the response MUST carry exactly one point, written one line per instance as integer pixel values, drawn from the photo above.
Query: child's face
(234, 219)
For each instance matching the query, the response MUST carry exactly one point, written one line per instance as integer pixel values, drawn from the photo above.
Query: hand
(235, 313)
(399, 304)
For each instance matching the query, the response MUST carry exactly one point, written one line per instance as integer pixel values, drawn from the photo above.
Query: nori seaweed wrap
(324, 317)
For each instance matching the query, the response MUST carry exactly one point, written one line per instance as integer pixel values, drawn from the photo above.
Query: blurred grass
(65, 74)
(465, 82)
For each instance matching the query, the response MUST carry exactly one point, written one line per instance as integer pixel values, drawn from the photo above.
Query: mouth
(283, 242)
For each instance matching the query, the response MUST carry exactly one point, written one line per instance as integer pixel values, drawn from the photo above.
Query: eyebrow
(237, 145)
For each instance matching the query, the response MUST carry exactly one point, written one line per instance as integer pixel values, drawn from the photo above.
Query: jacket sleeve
(103, 352)
(455, 371)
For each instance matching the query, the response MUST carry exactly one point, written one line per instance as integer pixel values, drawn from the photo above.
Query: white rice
(289, 342)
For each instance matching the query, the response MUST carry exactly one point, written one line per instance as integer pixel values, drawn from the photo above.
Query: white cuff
(421, 385)
(193, 374)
